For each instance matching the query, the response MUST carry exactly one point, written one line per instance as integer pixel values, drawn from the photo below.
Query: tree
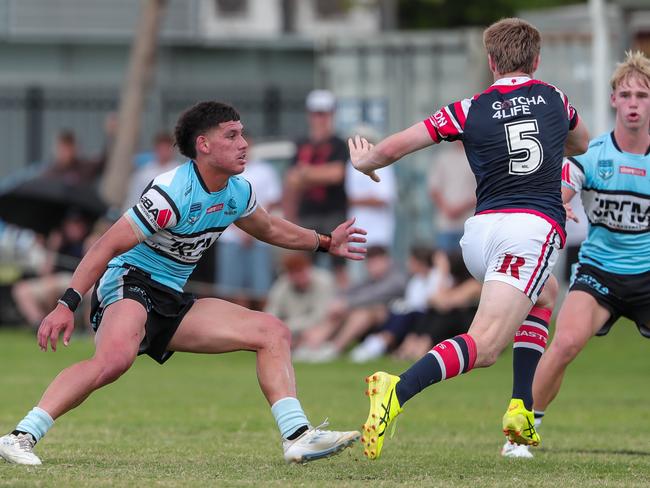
(428, 14)
(136, 82)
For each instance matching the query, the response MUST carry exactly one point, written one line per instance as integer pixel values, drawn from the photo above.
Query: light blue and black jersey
(180, 219)
(615, 191)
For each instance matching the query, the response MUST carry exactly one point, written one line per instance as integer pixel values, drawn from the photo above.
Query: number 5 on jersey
(525, 150)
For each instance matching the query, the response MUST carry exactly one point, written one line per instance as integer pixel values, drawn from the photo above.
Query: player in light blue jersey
(612, 276)
(140, 267)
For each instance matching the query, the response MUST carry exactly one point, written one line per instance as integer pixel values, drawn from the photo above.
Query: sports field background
(202, 421)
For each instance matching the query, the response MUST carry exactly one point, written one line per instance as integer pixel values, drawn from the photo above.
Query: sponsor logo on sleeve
(155, 210)
(163, 217)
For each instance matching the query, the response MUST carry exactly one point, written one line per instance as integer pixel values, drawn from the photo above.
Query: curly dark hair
(197, 120)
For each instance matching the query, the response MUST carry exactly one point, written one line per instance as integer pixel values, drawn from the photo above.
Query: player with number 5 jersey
(515, 135)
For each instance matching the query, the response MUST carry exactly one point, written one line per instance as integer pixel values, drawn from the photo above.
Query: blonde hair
(636, 63)
(513, 44)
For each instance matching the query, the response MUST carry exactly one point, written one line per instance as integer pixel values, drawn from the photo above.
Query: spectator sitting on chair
(301, 295)
(356, 311)
(424, 282)
(35, 297)
(450, 310)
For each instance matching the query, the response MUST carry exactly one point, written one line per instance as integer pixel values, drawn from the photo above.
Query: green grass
(201, 421)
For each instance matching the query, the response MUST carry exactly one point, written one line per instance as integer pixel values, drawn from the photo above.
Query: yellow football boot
(384, 408)
(519, 424)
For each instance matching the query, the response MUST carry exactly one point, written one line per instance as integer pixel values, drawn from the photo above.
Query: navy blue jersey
(514, 135)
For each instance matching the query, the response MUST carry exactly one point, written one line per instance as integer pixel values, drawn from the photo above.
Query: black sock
(530, 341)
(299, 431)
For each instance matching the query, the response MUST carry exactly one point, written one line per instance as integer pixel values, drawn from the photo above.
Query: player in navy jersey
(515, 134)
(612, 276)
(141, 264)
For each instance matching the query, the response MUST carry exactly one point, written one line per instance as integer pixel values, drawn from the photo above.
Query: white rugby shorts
(514, 247)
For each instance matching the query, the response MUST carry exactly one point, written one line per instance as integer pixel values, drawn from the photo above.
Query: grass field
(201, 421)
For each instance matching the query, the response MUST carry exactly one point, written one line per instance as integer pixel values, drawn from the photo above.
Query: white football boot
(512, 450)
(18, 449)
(315, 444)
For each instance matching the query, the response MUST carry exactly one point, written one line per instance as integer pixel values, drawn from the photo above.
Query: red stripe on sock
(541, 313)
(531, 335)
(449, 356)
(471, 347)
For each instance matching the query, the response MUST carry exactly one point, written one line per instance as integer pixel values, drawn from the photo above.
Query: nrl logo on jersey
(232, 207)
(195, 210)
(605, 168)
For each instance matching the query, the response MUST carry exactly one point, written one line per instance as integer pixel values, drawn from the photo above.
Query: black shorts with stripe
(622, 295)
(165, 306)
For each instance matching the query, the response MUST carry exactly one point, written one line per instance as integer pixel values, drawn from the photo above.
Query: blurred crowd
(333, 308)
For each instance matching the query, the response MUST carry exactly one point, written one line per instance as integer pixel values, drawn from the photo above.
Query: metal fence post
(271, 116)
(34, 106)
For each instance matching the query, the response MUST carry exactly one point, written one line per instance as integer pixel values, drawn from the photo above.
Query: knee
(564, 348)
(111, 368)
(486, 357)
(487, 352)
(275, 331)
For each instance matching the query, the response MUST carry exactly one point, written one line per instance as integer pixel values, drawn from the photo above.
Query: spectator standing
(245, 264)
(372, 204)
(452, 188)
(164, 160)
(67, 166)
(314, 191)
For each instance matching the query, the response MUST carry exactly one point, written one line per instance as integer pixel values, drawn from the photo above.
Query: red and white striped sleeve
(572, 113)
(448, 123)
(573, 174)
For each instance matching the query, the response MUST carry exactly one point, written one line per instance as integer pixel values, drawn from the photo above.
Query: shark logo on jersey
(605, 168)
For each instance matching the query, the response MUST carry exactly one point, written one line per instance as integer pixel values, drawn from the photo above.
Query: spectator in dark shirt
(67, 166)
(314, 191)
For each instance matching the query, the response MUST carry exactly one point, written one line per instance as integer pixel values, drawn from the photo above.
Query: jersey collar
(619, 149)
(512, 81)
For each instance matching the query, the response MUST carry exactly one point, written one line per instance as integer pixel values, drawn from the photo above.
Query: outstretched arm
(118, 239)
(282, 233)
(368, 158)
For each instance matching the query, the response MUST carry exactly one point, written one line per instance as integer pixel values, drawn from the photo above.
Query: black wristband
(71, 299)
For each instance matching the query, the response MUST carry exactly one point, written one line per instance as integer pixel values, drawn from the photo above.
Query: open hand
(343, 236)
(570, 214)
(359, 149)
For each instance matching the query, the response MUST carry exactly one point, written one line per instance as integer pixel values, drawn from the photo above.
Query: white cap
(321, 101)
